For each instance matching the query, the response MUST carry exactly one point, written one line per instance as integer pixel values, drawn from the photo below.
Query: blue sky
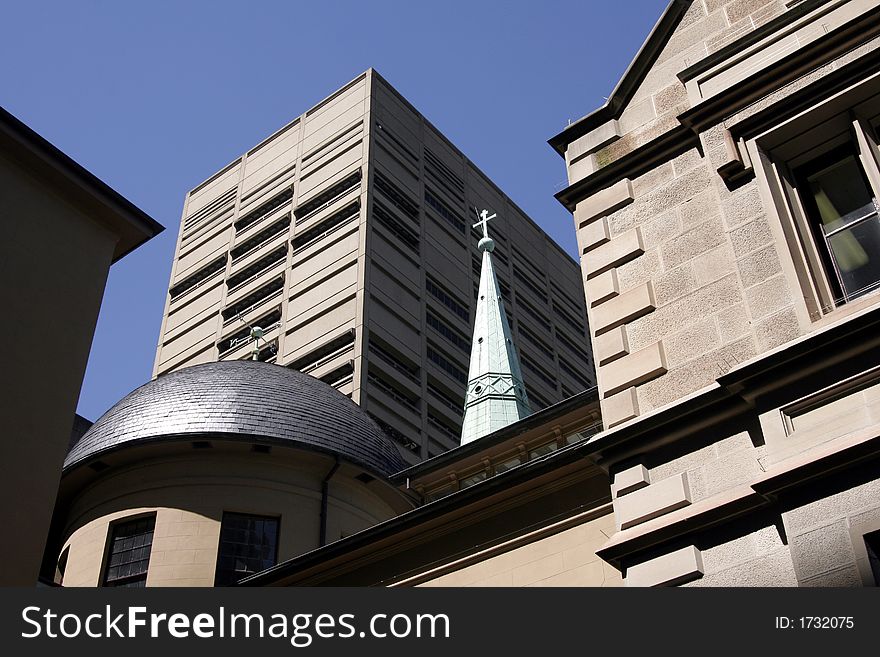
(153, 97)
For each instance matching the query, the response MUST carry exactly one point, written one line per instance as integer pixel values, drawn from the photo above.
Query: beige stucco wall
(189, 493)
(566, 558)
(53, 263)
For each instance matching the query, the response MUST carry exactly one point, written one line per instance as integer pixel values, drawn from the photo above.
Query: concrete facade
(63, 228)
(347, 236)
(737, 374)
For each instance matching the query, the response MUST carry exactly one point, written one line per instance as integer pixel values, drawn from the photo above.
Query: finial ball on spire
(486, 244)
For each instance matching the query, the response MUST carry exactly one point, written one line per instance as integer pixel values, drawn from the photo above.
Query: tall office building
(347, 237)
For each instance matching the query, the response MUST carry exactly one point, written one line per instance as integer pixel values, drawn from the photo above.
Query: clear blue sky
(153, 97)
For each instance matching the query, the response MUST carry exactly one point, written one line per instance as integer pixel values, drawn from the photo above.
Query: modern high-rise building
(347, 237)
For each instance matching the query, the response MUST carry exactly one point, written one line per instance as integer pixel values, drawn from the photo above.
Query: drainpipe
(325, 490)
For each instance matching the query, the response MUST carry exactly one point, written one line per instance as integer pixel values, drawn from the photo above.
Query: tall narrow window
(843, 215)
(248, 544)
(128, 553)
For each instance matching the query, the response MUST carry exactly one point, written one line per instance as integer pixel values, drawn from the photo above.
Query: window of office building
(128, 552)
(248, 544)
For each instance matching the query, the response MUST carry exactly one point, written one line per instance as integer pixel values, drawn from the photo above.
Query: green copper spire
(496, 395)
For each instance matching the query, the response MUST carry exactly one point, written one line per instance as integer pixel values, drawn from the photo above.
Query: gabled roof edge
(48, 155)
(630, 80)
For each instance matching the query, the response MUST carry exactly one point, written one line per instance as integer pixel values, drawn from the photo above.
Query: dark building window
(872, 543)
(443, 174)
(456, 372)
(254, 299)
(327, 226)
(449, 300)
(198, 278)
(128, 554)
(256, 269)
(248, 544)
(842, 212)
(444, 211)
(402, 365)
(404, 235)
(264, 210)
(260, 239)
(454, 337)
(325, 353)
(396, 196)
(327, 197)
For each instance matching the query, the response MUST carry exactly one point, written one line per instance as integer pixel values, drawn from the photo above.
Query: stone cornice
(762, 493)
(630, 80)
(748, 39)
(766, 80)
(736, 391)
(726, 103)
(631, 165)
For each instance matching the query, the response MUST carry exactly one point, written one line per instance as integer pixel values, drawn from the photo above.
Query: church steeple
(496, 395)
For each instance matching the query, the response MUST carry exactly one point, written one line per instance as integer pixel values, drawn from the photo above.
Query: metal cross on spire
(484, 221)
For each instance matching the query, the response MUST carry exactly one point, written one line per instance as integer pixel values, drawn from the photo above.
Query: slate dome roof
(242, 400)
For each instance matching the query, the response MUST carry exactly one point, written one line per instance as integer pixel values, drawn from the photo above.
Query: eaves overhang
(360, 544)
(93, 196)
(494, 439)
(630, 80)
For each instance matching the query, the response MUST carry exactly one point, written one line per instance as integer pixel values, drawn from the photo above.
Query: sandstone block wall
(676, 258)
(688, 274)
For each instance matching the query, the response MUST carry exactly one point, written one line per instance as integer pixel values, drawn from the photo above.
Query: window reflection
(248, 544)
(843, 213)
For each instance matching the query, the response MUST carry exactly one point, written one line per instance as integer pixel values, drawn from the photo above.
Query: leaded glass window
(248, 544)
(128, 554)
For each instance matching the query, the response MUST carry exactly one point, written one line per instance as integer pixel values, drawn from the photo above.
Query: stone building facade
(725, 201)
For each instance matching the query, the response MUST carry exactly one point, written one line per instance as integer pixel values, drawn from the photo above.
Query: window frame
(112, 528)
(258, 516)
(857, 534)
(778, 151)
(821, 239)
